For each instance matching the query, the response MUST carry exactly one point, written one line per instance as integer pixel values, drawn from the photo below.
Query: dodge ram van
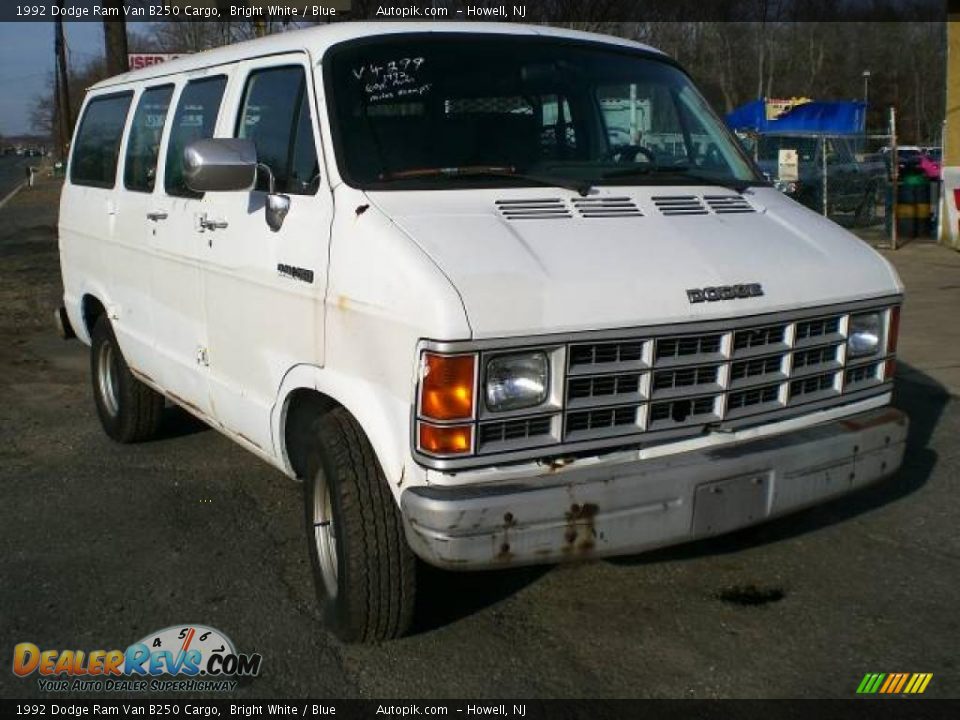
(497, 294)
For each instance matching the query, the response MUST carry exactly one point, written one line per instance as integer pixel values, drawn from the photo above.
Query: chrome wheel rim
(324, 536)
(107, 378)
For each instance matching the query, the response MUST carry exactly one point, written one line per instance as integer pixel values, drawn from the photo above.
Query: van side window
(276, 115)
(143, 145)
(97, 147)
(195, 119)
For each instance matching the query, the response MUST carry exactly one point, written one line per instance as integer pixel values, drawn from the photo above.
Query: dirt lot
(101, 544)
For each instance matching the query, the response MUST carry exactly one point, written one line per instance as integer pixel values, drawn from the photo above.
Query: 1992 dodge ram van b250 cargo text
(498, 294)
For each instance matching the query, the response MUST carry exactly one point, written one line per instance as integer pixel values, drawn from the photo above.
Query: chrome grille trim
(742, 401)
(517, 432)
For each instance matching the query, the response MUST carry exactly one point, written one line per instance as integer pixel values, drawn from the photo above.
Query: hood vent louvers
(723, 204)
(606, 207)
(679, 205)
(533, 209)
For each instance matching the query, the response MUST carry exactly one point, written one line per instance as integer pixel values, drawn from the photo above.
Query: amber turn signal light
(894, 329)
(446, 439)
(446, 390)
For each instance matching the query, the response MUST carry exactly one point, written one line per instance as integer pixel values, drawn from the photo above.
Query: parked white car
(409, 267)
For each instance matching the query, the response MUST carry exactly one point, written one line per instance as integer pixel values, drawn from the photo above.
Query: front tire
(365, 573)
(129, 410)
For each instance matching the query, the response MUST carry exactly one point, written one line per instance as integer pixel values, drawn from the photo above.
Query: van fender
(93, 288)
(383, 419)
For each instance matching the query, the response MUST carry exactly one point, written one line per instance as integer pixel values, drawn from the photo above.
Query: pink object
(930, 167)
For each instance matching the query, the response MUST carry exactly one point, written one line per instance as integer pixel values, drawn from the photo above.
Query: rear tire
(129, 410)
(365, 573)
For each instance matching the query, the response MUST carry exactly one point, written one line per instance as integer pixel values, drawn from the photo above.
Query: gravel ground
(101, 544)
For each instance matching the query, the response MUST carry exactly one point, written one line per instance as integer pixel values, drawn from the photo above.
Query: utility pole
(63, 86)
(115, 39)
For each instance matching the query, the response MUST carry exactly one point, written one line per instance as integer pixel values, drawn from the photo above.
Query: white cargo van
(498, 294)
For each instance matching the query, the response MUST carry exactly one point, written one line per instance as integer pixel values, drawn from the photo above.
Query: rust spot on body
(882, 419)
(187, 405)
(580, 534)
(557, 463)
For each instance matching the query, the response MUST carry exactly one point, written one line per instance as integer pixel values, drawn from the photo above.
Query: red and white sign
(142, 60)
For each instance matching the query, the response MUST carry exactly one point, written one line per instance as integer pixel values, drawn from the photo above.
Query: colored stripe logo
(894, 683)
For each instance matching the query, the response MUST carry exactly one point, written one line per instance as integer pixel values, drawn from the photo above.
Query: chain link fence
(851, 180)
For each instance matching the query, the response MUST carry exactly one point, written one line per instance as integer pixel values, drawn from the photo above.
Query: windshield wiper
(682, 172)
(481, 171)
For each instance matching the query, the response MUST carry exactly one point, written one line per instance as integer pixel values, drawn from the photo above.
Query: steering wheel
(628, 153)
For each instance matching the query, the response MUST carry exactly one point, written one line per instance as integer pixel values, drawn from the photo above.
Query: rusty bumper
(628, 507)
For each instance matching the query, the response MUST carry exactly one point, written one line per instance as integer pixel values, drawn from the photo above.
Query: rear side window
(194, 119)
(97, 147)
(276, 115)
(143, 145)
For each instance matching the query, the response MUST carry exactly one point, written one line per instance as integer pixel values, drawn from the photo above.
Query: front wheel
(129, 410)
(363, 568)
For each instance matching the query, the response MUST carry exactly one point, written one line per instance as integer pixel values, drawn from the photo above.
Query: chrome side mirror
(278, 205)
(220, 165)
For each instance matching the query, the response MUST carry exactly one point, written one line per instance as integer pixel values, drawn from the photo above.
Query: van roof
(316, 40)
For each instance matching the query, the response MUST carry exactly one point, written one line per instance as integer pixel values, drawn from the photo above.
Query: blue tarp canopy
(847, 117)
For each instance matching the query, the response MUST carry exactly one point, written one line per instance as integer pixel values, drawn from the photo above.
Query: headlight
(863, 337)
(517, 381)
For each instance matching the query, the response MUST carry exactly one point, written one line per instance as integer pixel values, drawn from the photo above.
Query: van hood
(545, 260)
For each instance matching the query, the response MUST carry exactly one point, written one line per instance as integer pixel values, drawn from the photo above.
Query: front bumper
(628, 507)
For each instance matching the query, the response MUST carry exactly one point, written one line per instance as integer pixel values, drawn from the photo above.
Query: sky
(27, 59)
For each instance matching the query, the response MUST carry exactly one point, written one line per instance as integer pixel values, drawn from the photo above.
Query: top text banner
(594, 13)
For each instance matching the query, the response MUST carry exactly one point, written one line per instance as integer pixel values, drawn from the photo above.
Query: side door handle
(157, 216)
(207, 224)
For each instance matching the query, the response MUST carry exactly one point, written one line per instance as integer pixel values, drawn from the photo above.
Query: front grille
(753, 396)
(811, 385)
(821, 327)
(676, 412)
(605, 420)
(604, 385)
(815, 356)
(685, 377)
(862, 375)
(674, 383)
(651, 385)
(687, 346)
(505, 431)
(605, 354)
(759, 337)
(744, 369)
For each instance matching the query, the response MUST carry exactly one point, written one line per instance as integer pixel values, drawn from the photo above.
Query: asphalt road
(12, 172)
(101, 544)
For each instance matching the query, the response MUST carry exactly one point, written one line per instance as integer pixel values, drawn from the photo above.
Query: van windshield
(441, 111)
